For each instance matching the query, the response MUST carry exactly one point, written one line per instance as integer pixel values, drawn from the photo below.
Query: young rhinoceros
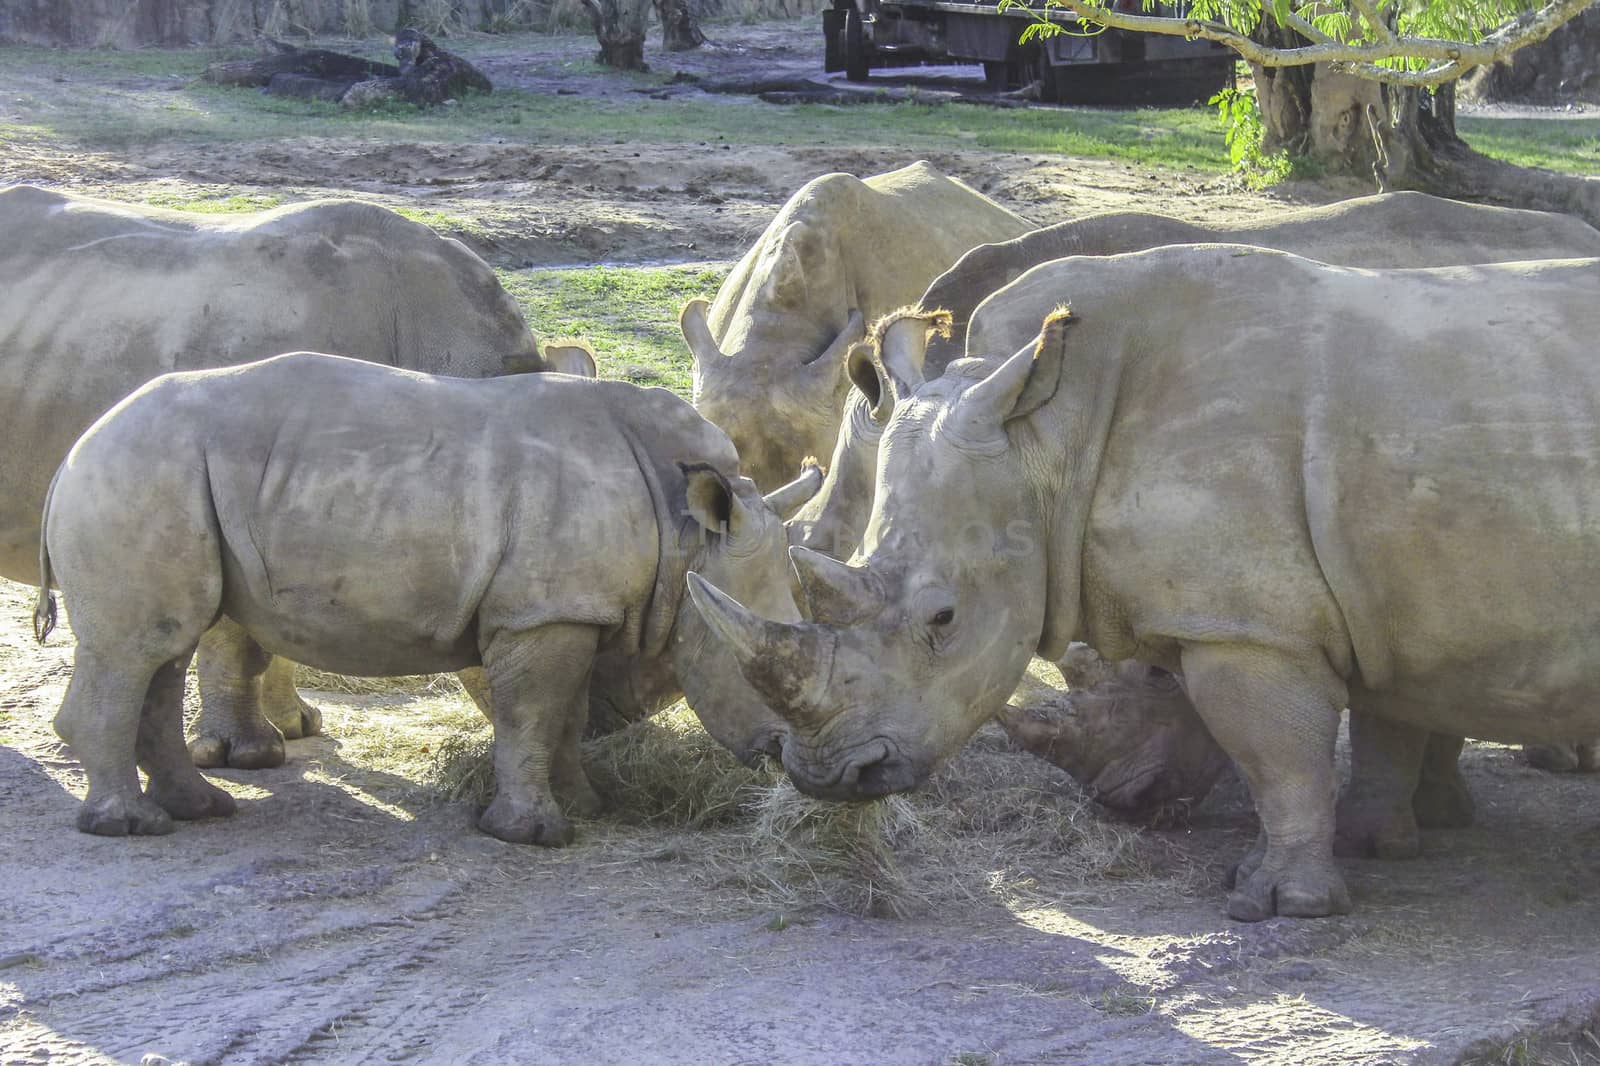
(375, 521)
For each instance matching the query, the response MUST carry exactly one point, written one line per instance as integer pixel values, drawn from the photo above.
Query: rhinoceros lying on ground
(1134, 768)
(769, 350)
(97, 298)
(1353, 488)
(375, 521)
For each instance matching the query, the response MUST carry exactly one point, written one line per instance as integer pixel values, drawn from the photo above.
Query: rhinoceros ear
(868, 379)
(721, 504)
(708, 496)
(696, 329)
(1022, 383)
(570, 355)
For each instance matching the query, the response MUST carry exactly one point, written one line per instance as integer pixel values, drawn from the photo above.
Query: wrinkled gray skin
(1131, 710)
(373, 521)
(1386, 514)
(97, 298)
(626, 688)
(769, 351)
(1405, 229)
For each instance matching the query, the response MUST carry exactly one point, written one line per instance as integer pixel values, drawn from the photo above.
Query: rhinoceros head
(917, 643)
(741, 545)
(769, 354)
(885, 366)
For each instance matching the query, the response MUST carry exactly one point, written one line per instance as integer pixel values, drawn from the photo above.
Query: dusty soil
(346, 915)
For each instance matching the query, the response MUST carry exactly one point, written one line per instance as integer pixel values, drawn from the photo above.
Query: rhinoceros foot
(1374, 828)
(522, 825)
(283, 706)
(120, 816)
(190, 800)
(578, 797)
(1564, 758)
(241, 751)
(1291, 883)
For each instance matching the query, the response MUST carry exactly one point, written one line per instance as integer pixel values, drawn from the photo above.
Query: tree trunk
(1562, 68)
(679, 30)
(619, 27)
(1399, 138)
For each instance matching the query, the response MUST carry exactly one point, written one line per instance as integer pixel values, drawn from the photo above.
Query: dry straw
(992, 826)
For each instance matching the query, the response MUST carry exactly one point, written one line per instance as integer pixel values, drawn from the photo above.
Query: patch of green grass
(213, 205)
(146, 106)
(1571, 146)
(629, 314)
(1123, 1001)
(440, 222)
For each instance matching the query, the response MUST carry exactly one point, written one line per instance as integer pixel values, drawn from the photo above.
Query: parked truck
(1076, 66)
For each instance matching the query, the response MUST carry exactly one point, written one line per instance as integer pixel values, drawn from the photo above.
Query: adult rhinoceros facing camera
(1134, 740)
(769, 350)
(97, 298)
(374, 521)
(1333, 488)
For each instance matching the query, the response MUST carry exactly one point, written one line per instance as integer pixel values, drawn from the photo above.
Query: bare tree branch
(1308, 31)
(1380, 25)
(1447, 59)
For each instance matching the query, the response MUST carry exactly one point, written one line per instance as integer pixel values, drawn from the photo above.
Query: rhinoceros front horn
(835, 593)
(697, 334)
(786, 664)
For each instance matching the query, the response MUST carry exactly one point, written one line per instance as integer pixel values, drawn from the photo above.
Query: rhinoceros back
(97, 298)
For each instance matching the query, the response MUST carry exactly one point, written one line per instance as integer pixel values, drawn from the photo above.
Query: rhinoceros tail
(44, 611)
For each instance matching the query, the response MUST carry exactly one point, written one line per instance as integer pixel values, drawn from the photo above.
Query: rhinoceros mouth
(872, 769)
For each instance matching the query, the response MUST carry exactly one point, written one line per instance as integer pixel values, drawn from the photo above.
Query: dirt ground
(347, 915)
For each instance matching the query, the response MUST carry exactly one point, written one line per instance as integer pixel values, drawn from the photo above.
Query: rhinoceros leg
(1375, 816)
(282, 704)
(232, 730)
(477, 686)
(538, 683)
(1278, 716)
(571, 783)
(100, 720)
(175, 785)
(1443, 800)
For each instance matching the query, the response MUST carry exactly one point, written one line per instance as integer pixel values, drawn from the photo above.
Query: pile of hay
(409, 685)
(992, 826)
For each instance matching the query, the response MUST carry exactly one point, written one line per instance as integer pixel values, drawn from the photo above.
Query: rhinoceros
(97, 298)
(1304, 487)
(1403, 229)
(769, 350)
(1158, 750)
(374, 521)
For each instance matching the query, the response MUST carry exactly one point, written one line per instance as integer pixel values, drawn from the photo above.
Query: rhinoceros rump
(1305, 487)
(375, 521)
(769, 350)
(97, 298)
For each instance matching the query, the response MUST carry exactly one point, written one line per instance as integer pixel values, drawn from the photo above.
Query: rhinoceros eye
(944, 617)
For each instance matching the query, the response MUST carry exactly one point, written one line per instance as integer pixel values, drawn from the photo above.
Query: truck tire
(855, 46)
